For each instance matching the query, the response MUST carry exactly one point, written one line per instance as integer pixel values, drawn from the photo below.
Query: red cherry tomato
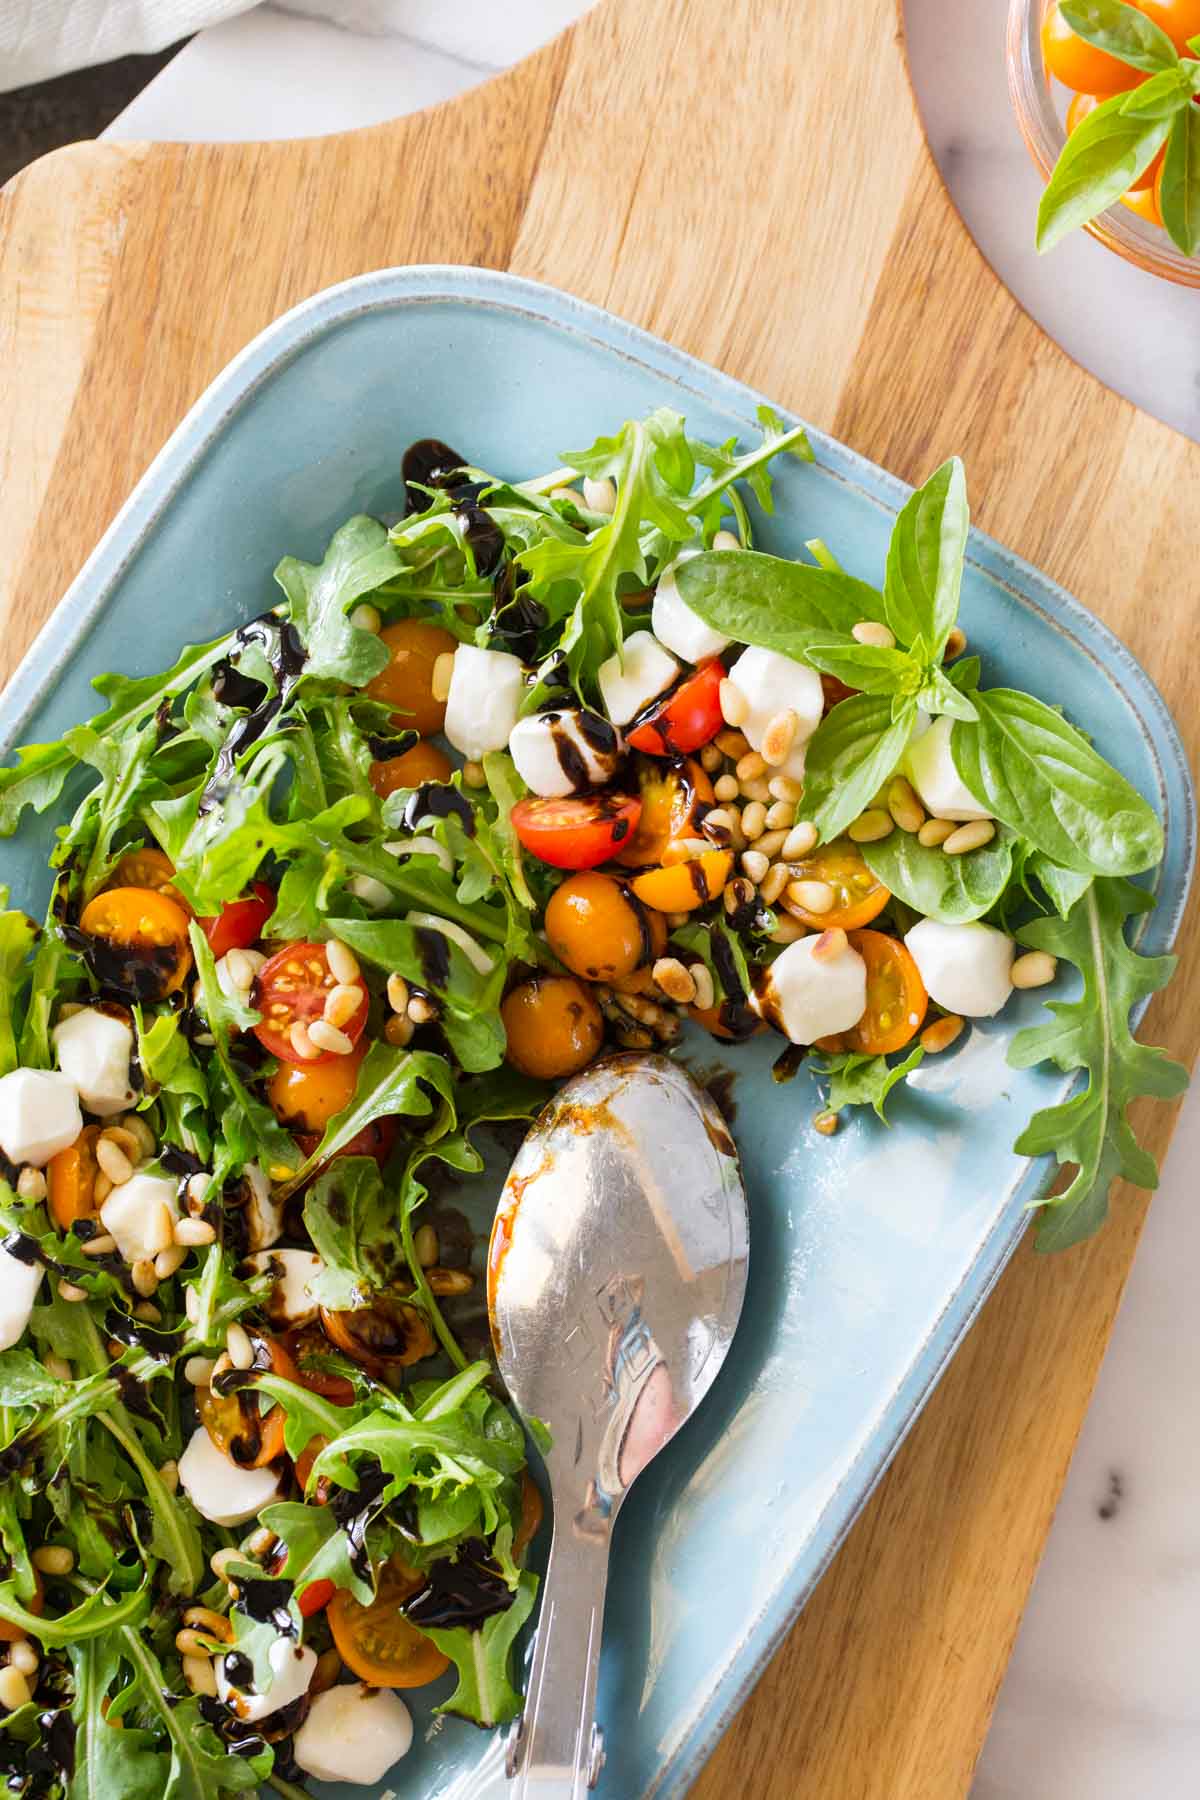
(315, 1598)
(689, 716)
(377, 1140)
(240, 922)
(291, 989)
(576, 832)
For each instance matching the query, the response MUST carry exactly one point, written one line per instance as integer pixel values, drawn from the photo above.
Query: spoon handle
(558, 1752)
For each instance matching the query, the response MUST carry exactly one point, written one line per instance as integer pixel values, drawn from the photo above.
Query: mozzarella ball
(931, 770)
(218, 1489)
(560, 753)
(486, 690)
(808, 997)
(39, 1115)
(677, 626)
(289, 1303)
(639, 671)
(19, 1283)
(353, 1734)
(94, 1049)
(131, 1214)
(965, 968)
(772, 683)
(291, 1672)
(264, 1216)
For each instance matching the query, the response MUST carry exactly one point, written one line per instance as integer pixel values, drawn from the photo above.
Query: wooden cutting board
(752, 183)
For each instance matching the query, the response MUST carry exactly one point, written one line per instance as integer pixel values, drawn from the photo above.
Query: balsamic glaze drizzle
(463, 1592)
(281, 644)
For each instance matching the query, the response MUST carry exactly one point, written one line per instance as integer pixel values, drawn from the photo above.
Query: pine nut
(634, 1037)
(800, 840)
(830, 945)
(327, 1037)
(706, 993)
(221, 1561)
(1034, 969)
(366, 617)
(31, 1184)
(145, 1310)
(871, 826)
(144, 1279)
(243, 966)
(160, 1231)
(781, 814)
(193, 1644)
(676, 920)
(301, 1043)
(755, 865)
(198, 1370)
(169, 1262)
(192, 1232)
(732, 743)
(972, 836)
(717, 819)
(725, 787)
(341, 1004)
(24, 1657)
(755, 789)
(443, 670)
(571, 495)
(59, 1367)
(398, 1030)
(738, 893)
(102, 1187)
(735, 708)
(771, 843)
(788, 931)
(956, 643)
(750, 767)
(114, 1162)
(198, 1670)
(941, 1034)
(169, 1475)
(785, 787)
(779, 737)
(197, 1191)
(675, 980)
(343, 964)
(68, 1291)
(191, 1305)
(904, 806)
(14, 1689)
(203, 1618)
(754, 820)
(710, 759)
(241, 1350)
(934, 832)
(53, 1559)
(772, 884)
(681, 850)
(874, 632)
(473, 775)
(826, 1123)
(140, 1132)
(425, 1243)
(325, 1675)
(99, 1246)
(421, 1011)
(397, 993)
(812, 896)
(599, 495)
(726, 540)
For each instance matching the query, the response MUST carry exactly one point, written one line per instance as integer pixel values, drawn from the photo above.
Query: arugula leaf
(728, 467)
(785, 606)
(1121, 31)
(354, 1224)
(93, 1617)
(954, 889)
(470, 1001)
(485, 1693)
(925, 561)
(251, 1129)
(1040, 776)
(359, 559)
(318, 1549)
(1100, 161)
(123, 766)
(1092, 1033)
(201, 1766)
(858, 1080)
(18, 935)
(390, 1081)
(108, 1762)
(1180, 187)
(849, 756)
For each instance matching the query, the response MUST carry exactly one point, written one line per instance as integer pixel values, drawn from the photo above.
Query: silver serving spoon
(617, 1271)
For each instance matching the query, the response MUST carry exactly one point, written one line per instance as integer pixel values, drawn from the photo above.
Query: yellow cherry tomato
(685, 885)
(553, 1024)
(407, 682)
(595, 926)
(305, 1096)
(151, 927)
(424, 762)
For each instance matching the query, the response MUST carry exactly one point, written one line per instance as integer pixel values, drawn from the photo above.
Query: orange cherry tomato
(597, 927)
(15, 1634)
(684, 719)
(240, 923)
(554, 1026)
(577, 831)
(1079, 65)
(377, 1642)
(1144, 201)
(407, 682)
(148, 867)
(685, 885)
(236, 1423)
(388, 1334)
(858, 896)
(674, 800)
(1180, 19)
(292, 989)
(1081, 105)
(423, 762)
(71, 1180)
(304, 1096)
(149, 925)
(531, 1515)
(896, 997)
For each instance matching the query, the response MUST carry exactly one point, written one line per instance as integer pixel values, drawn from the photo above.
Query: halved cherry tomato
(292, 989)
(553, 1026)
(531, 1514)
(684, 719)
(149, 867)
(71, 1180)
(1078, 64)
(302, 1344)
(151, 927)
(15, 1634)
(377, 1139)
(673, 801)
(424, 762)
(240, 923)
(236, 1423)
(858, 896)
(304, 1096)
(896, 997)
(578, 831)
(598, 928)
(388, 1334)
(377, 1642)
(407, 682)
(685, 885)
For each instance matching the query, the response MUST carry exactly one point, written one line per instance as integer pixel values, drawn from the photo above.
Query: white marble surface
(1102, 1699)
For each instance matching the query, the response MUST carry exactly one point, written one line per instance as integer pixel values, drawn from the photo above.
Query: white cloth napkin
(40, 38)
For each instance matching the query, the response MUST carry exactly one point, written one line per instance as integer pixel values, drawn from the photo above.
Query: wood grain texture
(757, 190)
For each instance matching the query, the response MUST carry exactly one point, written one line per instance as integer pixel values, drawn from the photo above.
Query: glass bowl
(1137, 240)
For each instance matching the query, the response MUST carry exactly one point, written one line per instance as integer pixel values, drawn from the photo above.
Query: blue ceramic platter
(870, 1252)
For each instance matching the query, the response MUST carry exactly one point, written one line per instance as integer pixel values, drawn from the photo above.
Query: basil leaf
(1063, 887)
(942, 694)
(1100, 160)
(925, 560)
(778, 605)
(965, 675)
(870, 668)
(849, 756)
(1159, 98)
(954, 889)
(1040, 776)
(1121, 31)
(1180, 187)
